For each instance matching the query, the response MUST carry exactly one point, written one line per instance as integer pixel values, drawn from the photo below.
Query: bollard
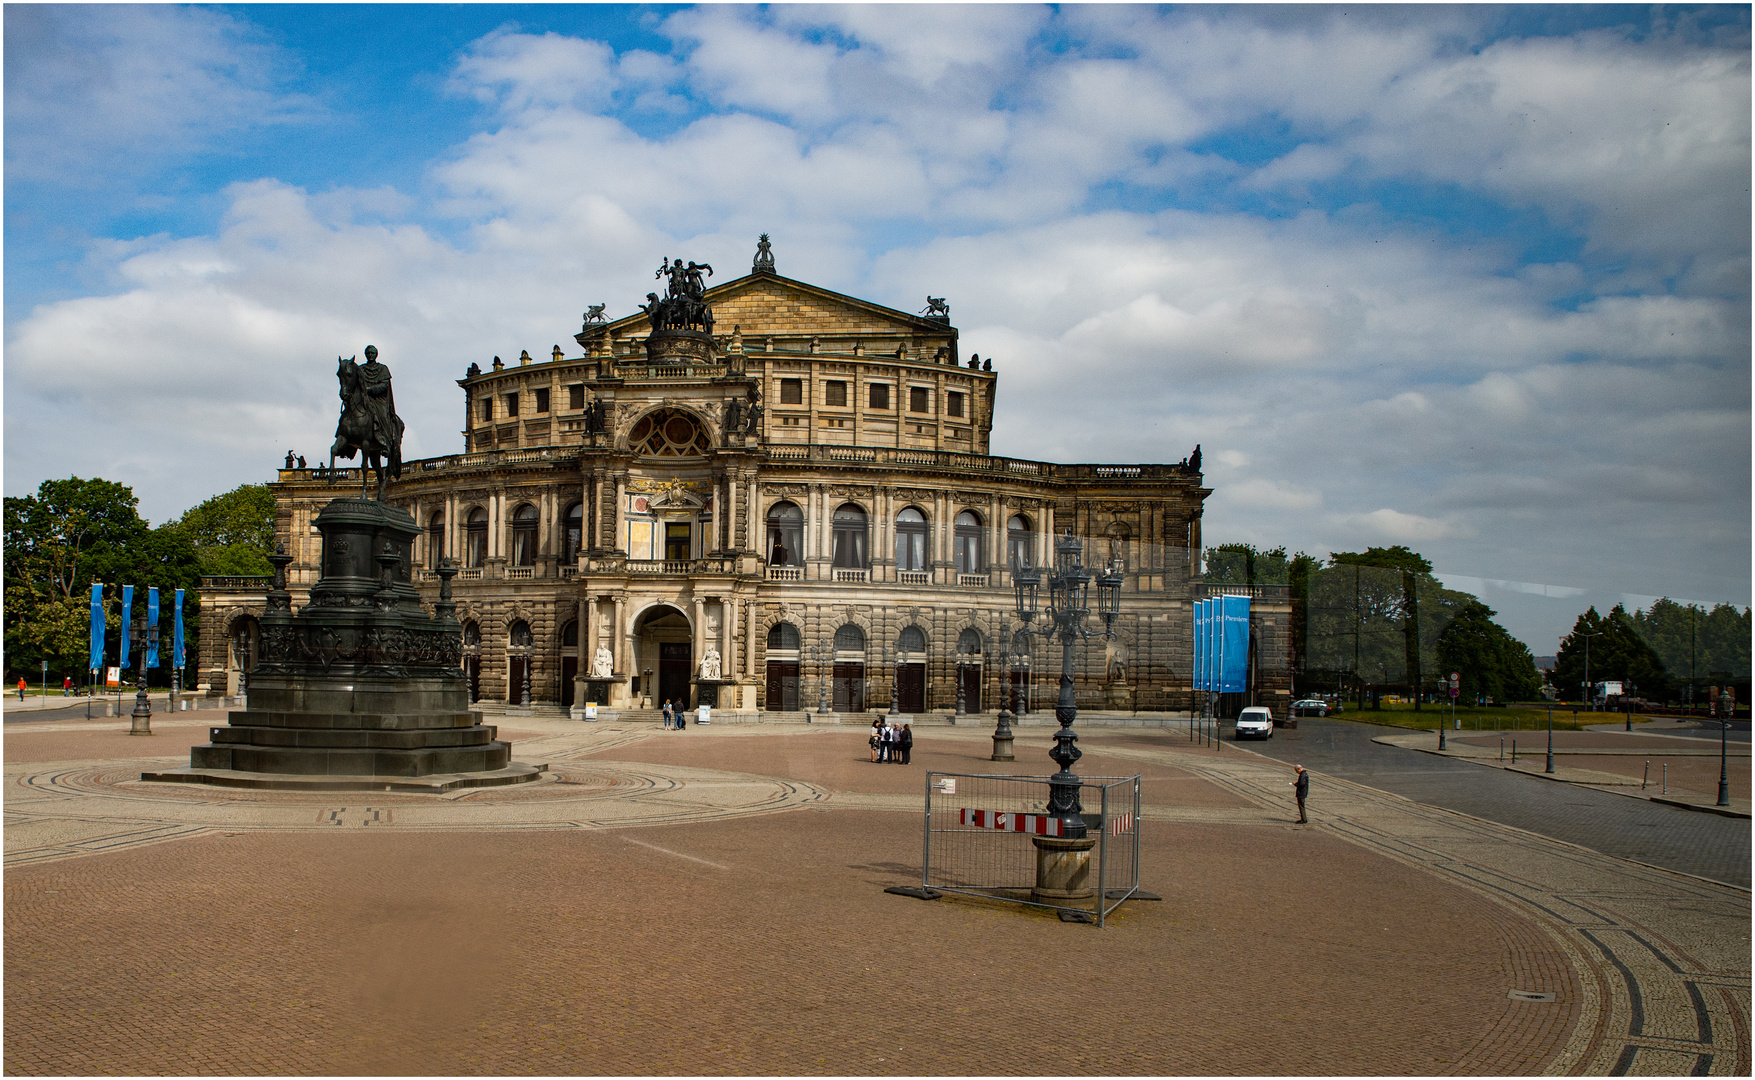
(1645, 776)
(1514, 751)
(1666, 778)
(1501, 749)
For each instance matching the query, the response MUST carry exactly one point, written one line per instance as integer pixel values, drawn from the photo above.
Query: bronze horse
(369, 423)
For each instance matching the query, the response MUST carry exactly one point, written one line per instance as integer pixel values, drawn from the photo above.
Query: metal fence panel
(976, 840)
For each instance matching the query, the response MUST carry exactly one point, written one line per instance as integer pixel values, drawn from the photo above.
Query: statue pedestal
(1062, 867)
(1117, 695)
(592, 690)
(707, 691)
(361, 690)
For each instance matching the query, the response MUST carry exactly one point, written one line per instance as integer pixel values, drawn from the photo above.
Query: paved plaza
(712, 901)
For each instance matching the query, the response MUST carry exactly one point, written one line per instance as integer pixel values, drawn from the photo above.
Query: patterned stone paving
(1660, 960)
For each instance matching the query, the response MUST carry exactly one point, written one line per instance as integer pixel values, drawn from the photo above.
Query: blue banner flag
(1234, 678)
(1197, 675)
(97, 626)
(177, 641)
(1214, 658)
(152, 627)
(127, 617)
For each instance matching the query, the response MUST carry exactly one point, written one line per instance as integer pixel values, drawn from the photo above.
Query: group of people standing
(890, 743)
(673, 716)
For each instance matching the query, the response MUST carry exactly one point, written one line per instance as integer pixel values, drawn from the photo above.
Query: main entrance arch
(664, 654)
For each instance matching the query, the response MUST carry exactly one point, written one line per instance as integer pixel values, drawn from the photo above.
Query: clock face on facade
(668, 433)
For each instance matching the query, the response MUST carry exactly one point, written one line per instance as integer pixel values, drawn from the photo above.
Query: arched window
(783, 636)
(849, 638)
(969, 642)
(520, 636)
(476, 539)
(969, 535)
(1020, 542)
(524, 536)
(570, 635)
(668, 433)
(911, 540)
(573, 535)
(849, 538)
(785, 535)
(913, 640)
(471, 635)
(435, 540)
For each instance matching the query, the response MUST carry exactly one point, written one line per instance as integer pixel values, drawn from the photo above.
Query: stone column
(615, 517)
(718, 540)
(749, 659)
(580, 688)
(728, 628)
(619, 641)
(698, 635)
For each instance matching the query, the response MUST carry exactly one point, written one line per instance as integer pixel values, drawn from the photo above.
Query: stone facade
(820, 462)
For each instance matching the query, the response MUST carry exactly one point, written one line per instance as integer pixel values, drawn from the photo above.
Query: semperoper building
(762, 496)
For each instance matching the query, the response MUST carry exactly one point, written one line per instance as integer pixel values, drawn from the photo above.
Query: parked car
(1255, 722)
(1310, 707)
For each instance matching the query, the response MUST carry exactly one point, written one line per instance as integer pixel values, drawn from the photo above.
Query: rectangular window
(919, 399)
(576, 396)
(953, 403)
(542, 401)
(792, 391)
(880, 396)
(487, 409)
(834, 392)
(512, 404)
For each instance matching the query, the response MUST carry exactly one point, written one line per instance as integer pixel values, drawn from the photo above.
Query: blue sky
(1471, 279)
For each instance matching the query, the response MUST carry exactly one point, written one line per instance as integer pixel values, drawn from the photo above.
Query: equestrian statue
(369, 423)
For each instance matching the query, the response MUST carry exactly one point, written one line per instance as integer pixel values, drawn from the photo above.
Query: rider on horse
(369, 423)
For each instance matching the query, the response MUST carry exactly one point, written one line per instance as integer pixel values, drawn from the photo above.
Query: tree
(1490, 662)
(232, 533)
(69, 534)
(1376, 615)
(1692, 642)
(1616, 653)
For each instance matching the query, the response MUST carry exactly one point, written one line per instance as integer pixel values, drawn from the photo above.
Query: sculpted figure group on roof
(683, 307)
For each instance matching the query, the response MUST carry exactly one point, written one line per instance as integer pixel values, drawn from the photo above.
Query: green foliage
(232, 533)
(1375, 617)
(1616, 652)
(1242, 564)
(1690, 640)
(1487, 658)
(69, 534)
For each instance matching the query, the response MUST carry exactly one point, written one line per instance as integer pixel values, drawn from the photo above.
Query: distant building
(778, 485)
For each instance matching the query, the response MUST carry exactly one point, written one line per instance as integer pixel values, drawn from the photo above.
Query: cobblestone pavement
(1692, 842)
(710, 902)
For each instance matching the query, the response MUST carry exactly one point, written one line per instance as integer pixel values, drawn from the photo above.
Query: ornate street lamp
(146, 633)
(896, 680)
(1068, 584)
(1728, 705)
(821, 654)
(1002, 731)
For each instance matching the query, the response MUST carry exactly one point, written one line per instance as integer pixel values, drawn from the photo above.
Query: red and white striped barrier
(1120, 823)
(1035, 824)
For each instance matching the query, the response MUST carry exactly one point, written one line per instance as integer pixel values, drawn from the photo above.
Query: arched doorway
(849, 673)
(518, 650)
(472, 659)
(664, 654)
(783, 668)
(911, 670)
(569, 661)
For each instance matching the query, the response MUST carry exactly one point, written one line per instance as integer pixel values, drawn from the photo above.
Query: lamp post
(1589, 693)
(821, 654)
(1068, 585)
(146, 633)
(1550, 767)
(1724, 728)
(962, 666)
(1002, 731)
(896, 677)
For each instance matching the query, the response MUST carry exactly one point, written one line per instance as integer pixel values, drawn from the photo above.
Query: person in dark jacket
(1301, 788)
(906, 742)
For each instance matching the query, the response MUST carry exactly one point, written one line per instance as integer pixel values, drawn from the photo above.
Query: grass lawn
(1474, 719)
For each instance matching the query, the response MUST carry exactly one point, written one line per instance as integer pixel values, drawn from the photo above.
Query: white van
(1255, 722)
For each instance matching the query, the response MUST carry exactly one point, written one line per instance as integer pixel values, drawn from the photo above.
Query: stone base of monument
(1062, 867)
(361, 689)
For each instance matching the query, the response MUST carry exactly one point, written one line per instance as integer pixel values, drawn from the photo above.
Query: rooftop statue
(369, 424)
(936, 308)
(683, 306)
(764, 260)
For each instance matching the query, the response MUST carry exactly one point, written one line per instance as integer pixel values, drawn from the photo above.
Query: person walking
(21, 688)
(907, 743)
(66, 686)
(877, 736)
(1301, 788)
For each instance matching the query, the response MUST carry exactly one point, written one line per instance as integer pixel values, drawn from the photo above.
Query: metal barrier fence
(978, 831)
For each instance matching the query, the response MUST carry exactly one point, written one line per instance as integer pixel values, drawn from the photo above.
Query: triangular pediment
(760, 306)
